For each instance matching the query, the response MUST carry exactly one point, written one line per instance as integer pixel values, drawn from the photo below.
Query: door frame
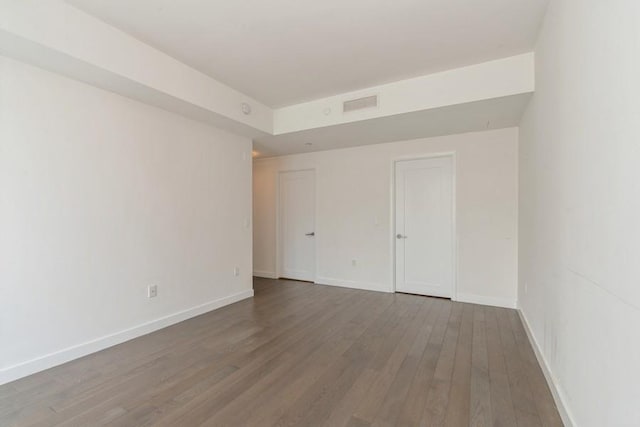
(454, 231)
(279, 244)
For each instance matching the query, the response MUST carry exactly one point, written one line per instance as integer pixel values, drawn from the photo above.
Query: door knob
(311, 234)
(400, 236)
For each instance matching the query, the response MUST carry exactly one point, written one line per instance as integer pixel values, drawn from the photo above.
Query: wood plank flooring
(303, 355)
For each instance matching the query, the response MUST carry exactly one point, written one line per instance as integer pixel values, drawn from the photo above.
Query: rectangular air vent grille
(360, 103)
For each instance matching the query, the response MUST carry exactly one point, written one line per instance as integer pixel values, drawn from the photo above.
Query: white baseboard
(354, 284)
(380, 287)
(29, 367)
(558, 395)
(265, 274)
(482, 300)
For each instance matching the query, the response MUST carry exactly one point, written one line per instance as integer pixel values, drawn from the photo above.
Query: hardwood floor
(303, 355)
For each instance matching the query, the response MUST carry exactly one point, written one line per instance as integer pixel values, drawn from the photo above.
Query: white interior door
(424, 226)
(297, 225)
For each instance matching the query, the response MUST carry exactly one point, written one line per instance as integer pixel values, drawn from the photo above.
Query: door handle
(311, 234)
(400, 236)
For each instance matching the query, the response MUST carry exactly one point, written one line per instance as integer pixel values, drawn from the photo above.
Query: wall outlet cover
(152, 291)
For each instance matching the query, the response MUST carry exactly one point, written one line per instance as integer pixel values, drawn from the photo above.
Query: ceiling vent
(360, 103)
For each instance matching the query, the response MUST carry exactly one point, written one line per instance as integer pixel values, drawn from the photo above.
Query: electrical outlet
(236, 271)
(152, 291)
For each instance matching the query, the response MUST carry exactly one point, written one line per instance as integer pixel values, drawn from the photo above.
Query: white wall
(101, 196)
(487, 80)
(354, 212)
(580, 208)
(54, 35)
